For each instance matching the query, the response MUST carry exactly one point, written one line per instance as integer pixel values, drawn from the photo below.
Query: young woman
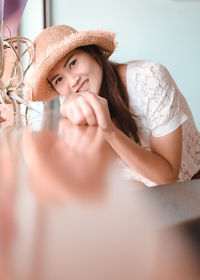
(144, 116)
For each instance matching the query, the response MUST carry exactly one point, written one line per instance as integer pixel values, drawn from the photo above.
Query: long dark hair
(115, 93)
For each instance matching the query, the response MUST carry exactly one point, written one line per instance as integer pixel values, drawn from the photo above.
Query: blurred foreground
(66, 213)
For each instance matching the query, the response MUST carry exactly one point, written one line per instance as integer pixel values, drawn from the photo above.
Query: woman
(143, 115)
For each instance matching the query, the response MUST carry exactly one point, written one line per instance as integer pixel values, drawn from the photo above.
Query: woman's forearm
(150, 165)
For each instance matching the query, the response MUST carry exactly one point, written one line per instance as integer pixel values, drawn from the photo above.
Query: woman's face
(76, 72)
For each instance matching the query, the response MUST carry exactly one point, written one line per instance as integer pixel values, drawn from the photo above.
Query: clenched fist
(87, 109)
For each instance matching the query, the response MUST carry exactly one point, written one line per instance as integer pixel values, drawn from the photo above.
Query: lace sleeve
(161, 98)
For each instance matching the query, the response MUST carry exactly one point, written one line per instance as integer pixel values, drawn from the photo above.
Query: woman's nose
(74, 80)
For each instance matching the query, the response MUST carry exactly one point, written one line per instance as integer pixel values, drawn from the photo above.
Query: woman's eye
(72, 63)
(58, 80)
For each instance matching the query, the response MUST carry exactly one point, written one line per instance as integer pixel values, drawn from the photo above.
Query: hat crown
(51, 37)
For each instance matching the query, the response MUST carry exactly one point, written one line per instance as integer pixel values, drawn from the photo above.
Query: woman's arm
(161, 164)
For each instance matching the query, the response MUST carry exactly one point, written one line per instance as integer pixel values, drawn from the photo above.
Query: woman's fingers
(98, 105)
(88, 108)
(74, 113)
(87, 111)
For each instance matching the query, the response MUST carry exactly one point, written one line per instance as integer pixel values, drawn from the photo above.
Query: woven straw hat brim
(37, 86)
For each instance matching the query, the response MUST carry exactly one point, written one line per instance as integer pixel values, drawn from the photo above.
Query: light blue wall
(167, 31)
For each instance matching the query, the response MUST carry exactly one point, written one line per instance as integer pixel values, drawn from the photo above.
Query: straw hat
(51, 45)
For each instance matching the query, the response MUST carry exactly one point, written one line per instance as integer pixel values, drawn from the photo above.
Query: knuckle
(91, 96)
(70, 104)
(89, 114)
(80, 100)
(104, 100)
(78, 119)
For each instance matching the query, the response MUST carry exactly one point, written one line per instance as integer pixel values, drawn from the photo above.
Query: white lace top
(160, 109)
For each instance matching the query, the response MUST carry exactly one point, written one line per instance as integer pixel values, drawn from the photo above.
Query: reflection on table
(66, 212)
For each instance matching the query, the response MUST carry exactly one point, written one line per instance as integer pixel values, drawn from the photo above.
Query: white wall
(31, 24)
(166, 31)
(32, 19)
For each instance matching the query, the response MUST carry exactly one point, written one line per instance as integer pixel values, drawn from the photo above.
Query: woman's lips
(83, 87)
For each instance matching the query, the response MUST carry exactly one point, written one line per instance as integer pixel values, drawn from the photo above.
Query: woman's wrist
(110, 132)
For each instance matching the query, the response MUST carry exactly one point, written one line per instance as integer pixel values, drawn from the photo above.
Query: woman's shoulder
(144, 66)
(144, 71)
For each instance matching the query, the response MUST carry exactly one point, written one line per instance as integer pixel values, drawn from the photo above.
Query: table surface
(64, 205)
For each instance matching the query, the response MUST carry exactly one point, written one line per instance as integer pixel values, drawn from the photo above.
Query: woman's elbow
(171, 177)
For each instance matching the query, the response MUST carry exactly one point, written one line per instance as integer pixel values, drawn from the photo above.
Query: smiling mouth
(83, 87)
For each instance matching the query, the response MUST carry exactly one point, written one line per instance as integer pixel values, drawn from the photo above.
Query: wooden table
(66, 212)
